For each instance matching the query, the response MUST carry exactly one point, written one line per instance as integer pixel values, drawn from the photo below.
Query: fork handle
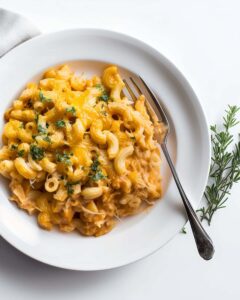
(203, 241)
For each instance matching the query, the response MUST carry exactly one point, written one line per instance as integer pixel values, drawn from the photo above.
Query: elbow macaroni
(78, 153)
(120, 160)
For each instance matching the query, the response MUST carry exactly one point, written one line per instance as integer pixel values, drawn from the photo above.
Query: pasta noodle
(78, 154)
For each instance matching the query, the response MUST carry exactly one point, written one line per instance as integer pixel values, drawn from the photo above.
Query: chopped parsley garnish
(70, 189)
(47, 139)
(21, 153)
(43, 132)
(13, 147)
(96, 172)
(71, 110)
(98, 176)
(41, 129)
(36, 152)
(43, 98)
(95, 165)
(21, 125)
(36, 117)
(99, 86)
(47, 125)
(104, 97)
(63, 158)
(60, 124)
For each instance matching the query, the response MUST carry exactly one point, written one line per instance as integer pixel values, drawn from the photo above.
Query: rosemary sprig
(225, 166)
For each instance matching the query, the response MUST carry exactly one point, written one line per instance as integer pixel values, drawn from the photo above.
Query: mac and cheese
(78, 153)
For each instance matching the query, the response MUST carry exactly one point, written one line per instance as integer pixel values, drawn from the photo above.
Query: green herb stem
(225, 166)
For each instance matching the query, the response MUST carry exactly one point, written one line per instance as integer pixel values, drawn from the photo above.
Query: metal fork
(203, 241)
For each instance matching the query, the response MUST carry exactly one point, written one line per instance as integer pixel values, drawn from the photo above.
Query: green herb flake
(41, 129)
(36, 152)
(70, 189)
(47, 139)
(133, 138)
(98, 176)
(183, 230)
(36, 117)
(63, 158)
(99, 86)
(13, 147)
(60, 124)
(43, 98)
(104, 97)
(21, 153)
(71, 110)
(21, 125)
(95, 165)
(95, 171)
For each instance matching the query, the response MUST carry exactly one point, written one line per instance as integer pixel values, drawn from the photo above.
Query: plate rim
(180, 77)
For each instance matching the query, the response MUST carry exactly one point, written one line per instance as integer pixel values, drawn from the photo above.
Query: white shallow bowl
(89, 51)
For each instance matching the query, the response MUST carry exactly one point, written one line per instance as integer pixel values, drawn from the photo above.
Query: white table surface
(203, 39)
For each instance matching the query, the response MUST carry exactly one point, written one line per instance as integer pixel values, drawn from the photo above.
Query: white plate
(136, 237)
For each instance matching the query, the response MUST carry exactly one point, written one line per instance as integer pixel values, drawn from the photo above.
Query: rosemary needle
(183, 230)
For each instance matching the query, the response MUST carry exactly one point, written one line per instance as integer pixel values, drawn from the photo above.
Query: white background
(202, 38)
